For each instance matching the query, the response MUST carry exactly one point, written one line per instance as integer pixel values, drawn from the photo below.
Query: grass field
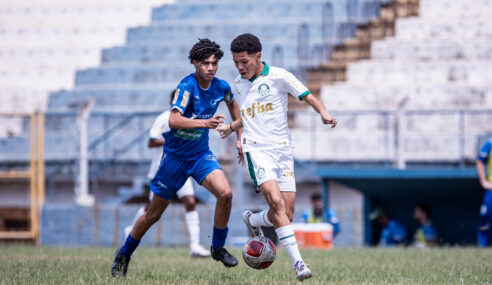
(31, 265)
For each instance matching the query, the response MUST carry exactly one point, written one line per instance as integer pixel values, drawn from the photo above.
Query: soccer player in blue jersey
(393, 234)
(315, 214)
(484, 159)
(186, 153)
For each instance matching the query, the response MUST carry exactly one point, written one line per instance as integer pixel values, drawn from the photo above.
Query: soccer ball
(259, 252)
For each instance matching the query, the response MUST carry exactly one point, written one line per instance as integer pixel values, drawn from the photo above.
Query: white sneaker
(253, 231)
(302, 272)
(199, 251)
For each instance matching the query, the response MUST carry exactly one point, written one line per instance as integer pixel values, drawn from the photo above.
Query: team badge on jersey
(263, 89)
(261, 172)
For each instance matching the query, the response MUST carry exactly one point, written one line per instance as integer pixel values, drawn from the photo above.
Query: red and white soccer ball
(259, 252)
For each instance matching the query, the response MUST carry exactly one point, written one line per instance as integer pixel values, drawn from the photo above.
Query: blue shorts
(173, 173)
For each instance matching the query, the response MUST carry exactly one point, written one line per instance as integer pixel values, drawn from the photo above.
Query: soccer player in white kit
(186, 194)
(263, 93)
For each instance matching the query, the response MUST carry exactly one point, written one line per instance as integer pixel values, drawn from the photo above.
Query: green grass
(31, 265)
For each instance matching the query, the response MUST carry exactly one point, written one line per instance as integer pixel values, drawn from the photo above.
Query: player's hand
(240, 154)
(213, 122)
(329, 119)
(224, 130)
(487, 185)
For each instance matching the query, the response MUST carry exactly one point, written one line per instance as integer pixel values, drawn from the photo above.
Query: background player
(186, 153)
(426, 234)
(185, 194)
(393, 232)
(486, 182)
(266, 139)
(315, 214)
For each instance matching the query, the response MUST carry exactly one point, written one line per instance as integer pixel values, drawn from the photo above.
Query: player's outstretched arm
(482, 177)
(178, 121)
(236, 126)
(319, 107)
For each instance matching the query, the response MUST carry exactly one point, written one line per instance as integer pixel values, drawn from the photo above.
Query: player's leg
(140, 212)
(186, 196)
(128, 229)
(485, 220)
(262, 168)
(209, 174)
(169, 178)
(123, 255)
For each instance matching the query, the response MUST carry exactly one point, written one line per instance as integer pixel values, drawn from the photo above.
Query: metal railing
(392, 137)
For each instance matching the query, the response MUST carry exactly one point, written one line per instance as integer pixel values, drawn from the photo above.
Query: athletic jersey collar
(198, 84)
(265, 71)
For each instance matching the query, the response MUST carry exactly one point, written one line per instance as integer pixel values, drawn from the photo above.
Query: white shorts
(272, 164)
(186, 190)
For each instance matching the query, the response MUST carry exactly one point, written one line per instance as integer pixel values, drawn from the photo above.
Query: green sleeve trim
(251, 170)
(304, 95)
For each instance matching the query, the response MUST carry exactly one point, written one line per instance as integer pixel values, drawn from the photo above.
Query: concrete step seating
(397, 72)
(432, 9)
(419, 97)
(432, 50)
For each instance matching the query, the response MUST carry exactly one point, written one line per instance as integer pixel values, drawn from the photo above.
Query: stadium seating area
(42, 43)
(433, 78)
(140, 74)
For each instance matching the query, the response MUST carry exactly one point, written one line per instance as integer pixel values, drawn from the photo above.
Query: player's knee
(225, 196)
(189, 203)
(277, 204)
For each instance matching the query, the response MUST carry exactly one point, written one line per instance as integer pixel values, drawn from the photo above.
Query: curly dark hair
(203, 49)
(246, 42)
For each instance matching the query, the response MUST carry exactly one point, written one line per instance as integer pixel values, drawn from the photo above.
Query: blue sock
(129, 247)
(218, 238)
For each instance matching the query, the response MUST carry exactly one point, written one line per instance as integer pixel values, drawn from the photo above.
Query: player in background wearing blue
(426, 234)
(393, 234)
(486, 182)
(315, 214)
(186, 153)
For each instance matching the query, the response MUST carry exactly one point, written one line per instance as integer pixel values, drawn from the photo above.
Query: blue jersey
(484, 156)
(195, 103)
(425, 233)
(309, 217)
(393, 234)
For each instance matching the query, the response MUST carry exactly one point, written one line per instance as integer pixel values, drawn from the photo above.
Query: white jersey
(263, 105)
(160, 126)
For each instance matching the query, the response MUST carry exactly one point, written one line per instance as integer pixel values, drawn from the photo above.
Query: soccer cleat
(120, 265)
(302, 272)
(198, 251)
(253, 231)
(222, 255)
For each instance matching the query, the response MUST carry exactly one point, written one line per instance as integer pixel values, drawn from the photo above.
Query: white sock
(260, 219)
(288, 241)
(193, 224)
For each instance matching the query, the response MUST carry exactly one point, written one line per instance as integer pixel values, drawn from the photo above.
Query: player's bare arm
(319, 107)
(155, 142)
(482, 177)
(178, 121)
(236, 126)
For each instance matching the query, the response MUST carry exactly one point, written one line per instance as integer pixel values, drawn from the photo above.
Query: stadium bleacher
(437, 61)
(42, 43)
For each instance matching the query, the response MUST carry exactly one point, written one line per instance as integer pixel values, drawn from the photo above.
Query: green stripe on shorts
(251, 170)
